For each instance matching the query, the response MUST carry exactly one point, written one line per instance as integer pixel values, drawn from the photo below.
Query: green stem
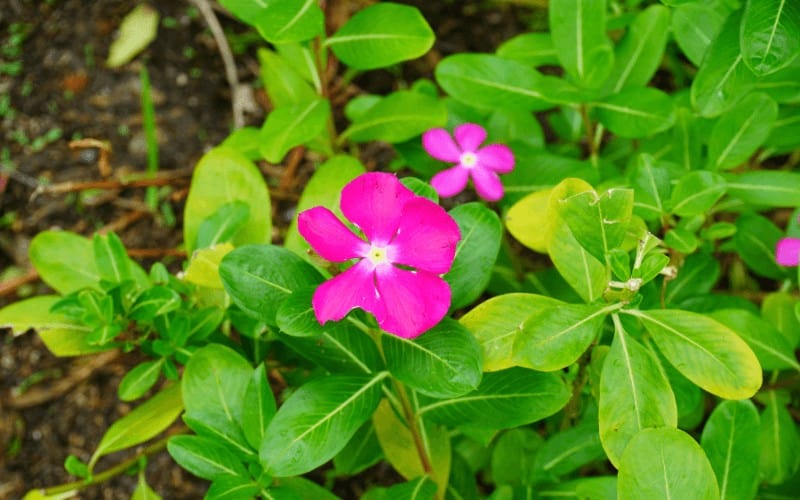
(411, 418)
(149, 124)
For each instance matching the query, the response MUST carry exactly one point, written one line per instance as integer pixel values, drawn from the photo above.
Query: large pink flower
(787, 252)
(401, 229)
(482, 164)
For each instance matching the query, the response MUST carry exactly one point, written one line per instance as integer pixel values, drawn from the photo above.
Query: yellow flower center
(377, 255)
(468, 159)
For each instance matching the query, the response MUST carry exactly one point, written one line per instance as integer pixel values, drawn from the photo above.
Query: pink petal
(373, 202)
(328, 236)
(353, 288)
(787, 252)
(415, 301)
(426, 237)
(470, 136)
(496, 157)
(450, 182)
(487, 184)
(438, 143)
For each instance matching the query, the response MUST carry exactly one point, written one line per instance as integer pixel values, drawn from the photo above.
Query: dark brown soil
(63, 91)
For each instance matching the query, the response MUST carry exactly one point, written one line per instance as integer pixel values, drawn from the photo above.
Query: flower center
(377, 255)
(468, 159)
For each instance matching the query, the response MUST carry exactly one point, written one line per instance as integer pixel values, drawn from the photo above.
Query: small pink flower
(787, 251)
(401, 229)
(482, 164)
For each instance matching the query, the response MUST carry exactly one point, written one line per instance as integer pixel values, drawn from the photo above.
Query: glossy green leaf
(143, 491)
(323, 189)
(419, 488)
(284, 85)
(204, 457)
(300, 487)
(496, 322)
(223, 431)
(778, 308)
(651, 189)
(695, 26)
(230, 487)
(64, 260)
(723, 77)
(301, 58)
(585, 274)
(398, 117)
(551, 169)
(259, 277)
(259, 407)
(203, 268)
(111, 258)
(139, 380)
(665, 463)
(292, 125)
(589, 488)
(504, 399)
(770, 37)
(770, 347)
(481, 233)
(634, 395)
(533, 49)
(696, 276)
(741, 130)
(443, 362)
(244, 10)
(487, 81)
(639, 53)
(636, 112)
(754, 241)
(296, 315)
(598, 221)
(342, 348)
(681, 240)
(705, 351)
(513, 456)
(529, 221)
(766, 188)
(137, 30)
(154, 302)
(785, 133)
(783, 85)
(381, 35)
(317, 421)
(728, 442)
(361, 452)
(220, 177)
(568, 450)
(780, 441)
(223, 224)
(142, 423)
(289, 21)
(578, 31)
(696, 192)
(552, 338)
(687, 139)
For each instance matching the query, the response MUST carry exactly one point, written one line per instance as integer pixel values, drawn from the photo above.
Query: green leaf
(292, 125)
(259, 277)
(504, 399)
(292, 488)
(697, 276)
(139, 380)
(695, 26)
(317, 421)
(223, 224)
(728, 442)
(778, 308)
(203, 268)
(443, 362)
(783, 86)
(220, 177)
(154, 302)
(665, 463)
(770, 347)
(111, 258)
(381, 35)
(137, 30)
(705, 351)
(244, 10)
(363, 451)
(741, 130)
(323, 189)
(144, 422)
(687, 139)
(398, 117)
(481, 232)
(639, 53)
(636, 112)
(651, 189)
(780, 442)
(585, 274)
(64, 260)
(284, 85)
(554, 337)
(634, 395)
(490, 82)
(342, 348)
(578, 31)
(296, 315)
(496, 322)
(696, 192)
(143, 490)
(223, 431)
(766, 188)
(754, 241)
(513, 456)
(289, 21)
(568, 450)
(229, 487)
(770, 36)
(260, 407)
(589, 488)
(723, 77)
(529, 221)
(204, 457)
(214, 385)
(533, 49)
(598, 222)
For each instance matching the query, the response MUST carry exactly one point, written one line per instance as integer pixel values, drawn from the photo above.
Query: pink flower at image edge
(401, 228)
(787, 252)
(482, 164)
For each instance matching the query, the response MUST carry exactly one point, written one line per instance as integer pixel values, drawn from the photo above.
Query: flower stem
(411, 418)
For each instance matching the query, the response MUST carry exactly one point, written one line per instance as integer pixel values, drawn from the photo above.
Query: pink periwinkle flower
(401, 229)
(483, 164)
(787, 252)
